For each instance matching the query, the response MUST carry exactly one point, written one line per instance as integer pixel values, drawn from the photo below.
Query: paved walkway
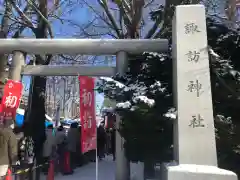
(106, 171)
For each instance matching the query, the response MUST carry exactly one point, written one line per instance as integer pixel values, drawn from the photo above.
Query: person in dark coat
(48, 148)
(113, 142)
(101, 141)
(72, 140)
(80, 158)
(8, 148)
(22, 163)
(18, 131)
(61, 143)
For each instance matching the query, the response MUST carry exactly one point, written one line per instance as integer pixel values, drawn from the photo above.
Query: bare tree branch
(22, 14)
(17, 21)
(113, 25)
(149, 3)
(5, 18)
(3, 34)
(137, 16)
(157, 25)
(18, 32)
(42, 16)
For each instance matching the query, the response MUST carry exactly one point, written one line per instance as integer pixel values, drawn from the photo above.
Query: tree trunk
(36, 117)
(34, 125)
(37, 114)
(3, 35)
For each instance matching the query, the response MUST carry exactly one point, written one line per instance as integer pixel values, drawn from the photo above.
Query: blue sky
(80, 15)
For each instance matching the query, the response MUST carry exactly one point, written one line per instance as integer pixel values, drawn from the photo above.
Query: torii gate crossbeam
(83, 46)
(79, 46)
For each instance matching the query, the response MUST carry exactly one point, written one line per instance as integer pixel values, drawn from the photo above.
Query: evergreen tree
(144, 97)
(225, 66)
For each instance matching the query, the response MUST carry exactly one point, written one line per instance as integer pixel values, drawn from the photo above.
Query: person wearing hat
(8, 147)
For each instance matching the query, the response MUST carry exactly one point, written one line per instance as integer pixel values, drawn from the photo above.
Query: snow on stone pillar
(194, 135)
(122, 164)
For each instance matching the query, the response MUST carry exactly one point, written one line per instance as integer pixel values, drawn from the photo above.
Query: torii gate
(119, 47)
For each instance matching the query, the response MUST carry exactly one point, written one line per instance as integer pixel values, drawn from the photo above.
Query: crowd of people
(59, 142)
(59, 145)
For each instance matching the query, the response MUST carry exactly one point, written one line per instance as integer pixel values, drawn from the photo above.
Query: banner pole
(96, 162)
(96, 132)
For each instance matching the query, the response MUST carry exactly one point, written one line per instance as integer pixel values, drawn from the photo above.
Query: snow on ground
(106, 171)
(87, 172)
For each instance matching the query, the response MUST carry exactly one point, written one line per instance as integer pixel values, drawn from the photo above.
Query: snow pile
(144, 99)
(138, 90)
(211, 52)
(124, 105)
(223, 119)
(149, 102)
(156, 55)
(157, 86)
(108, 79)
(133, 108)
(152, 54)
(144, 66)
(223, 67)
(172, 113)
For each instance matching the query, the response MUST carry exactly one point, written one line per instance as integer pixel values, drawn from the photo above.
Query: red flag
(87, 113)
(11, 99)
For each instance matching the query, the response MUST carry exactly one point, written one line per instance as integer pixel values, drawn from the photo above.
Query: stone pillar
(122, 164)
(194, 133)
(18, 60)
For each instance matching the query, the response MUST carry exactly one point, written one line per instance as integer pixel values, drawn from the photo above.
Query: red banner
(11, 99)
(87, 113)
